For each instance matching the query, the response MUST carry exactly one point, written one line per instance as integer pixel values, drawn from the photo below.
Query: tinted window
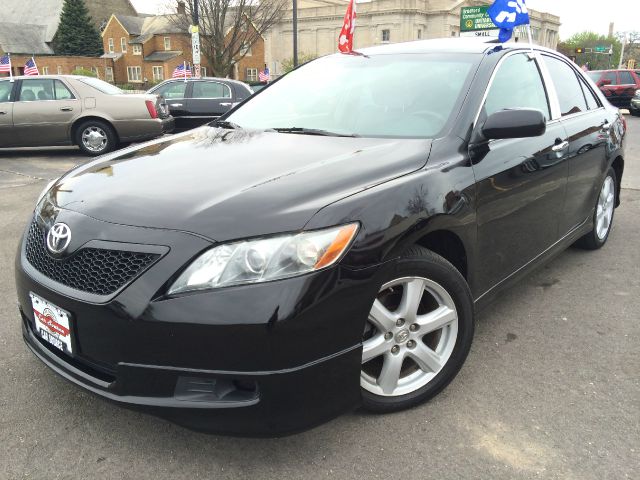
(592, 101)
(517, 84)
(34, 90)
(568, 88)
(62, 92)
(172, 90)
(210, 90)
(626, 78)
(400, 96)
(612, 77)
(5, 91)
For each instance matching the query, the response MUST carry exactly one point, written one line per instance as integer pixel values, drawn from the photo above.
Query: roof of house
(24, 38)
(145, 27)
(131, 24)
(162, 55)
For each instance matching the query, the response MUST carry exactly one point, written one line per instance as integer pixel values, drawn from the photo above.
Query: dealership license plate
(52, 323)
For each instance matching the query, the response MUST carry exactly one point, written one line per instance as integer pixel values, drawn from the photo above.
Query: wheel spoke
(381, 317)
(390, 374)
(437, 319)
(411, 296)
(427, 359)
(374, 347)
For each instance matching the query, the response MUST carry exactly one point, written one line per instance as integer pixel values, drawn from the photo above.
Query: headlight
(46, 189)
(266, 259)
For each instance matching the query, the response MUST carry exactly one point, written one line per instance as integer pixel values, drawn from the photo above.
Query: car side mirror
(604, 82)
(518, 123)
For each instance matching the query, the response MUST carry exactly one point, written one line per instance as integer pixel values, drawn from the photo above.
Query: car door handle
(558, 147)
(3, 113)
(66, 109)
(226, 104)
(175, 104)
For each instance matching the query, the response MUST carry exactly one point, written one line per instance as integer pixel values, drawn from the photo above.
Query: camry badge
(58, 238)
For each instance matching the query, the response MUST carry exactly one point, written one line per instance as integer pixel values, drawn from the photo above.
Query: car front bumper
(260, 360)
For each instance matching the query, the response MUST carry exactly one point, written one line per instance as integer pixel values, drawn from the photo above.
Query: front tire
(96, 138)
(603, 215)
(418, 333)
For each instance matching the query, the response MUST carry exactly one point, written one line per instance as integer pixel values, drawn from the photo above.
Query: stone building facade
(379, 22)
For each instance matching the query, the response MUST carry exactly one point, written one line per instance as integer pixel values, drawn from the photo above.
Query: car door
(175, 95)
(586, 123)
(44, 111)
(520, 183)
(209, 99)
(7, 137)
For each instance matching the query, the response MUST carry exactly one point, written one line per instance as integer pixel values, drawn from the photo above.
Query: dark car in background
(618, 86)
(634, 108)
(197, 101)
(51, 110)
(309, 253)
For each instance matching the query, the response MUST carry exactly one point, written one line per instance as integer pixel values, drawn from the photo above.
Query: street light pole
(295, 33)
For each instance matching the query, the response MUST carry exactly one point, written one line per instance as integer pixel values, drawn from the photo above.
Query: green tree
(76, 33)
(591, 40)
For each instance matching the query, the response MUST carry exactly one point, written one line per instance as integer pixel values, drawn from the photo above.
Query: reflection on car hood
(227, 184)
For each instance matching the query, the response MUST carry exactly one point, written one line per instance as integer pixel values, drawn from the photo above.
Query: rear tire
(95, 137)
(418, 334)
(603, 214)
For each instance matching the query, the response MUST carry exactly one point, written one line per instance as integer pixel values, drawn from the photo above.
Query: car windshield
(101, 86)
(406, 96)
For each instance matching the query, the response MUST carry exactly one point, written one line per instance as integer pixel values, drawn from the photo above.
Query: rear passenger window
(626, 78)
(62, 92)
(592, 101)
(517, 84)
(210, 90)
(569, 90)
(5, 91)
(612, 77)
(172, 90)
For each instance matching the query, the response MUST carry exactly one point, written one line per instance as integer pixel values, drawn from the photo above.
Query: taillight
(152, 109)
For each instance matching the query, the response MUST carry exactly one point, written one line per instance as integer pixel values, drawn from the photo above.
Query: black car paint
(299, 339)
(189, 112)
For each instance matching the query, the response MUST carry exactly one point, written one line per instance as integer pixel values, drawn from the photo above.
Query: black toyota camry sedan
(325, 244)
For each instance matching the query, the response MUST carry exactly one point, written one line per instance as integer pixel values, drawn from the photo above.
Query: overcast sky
(575, 15)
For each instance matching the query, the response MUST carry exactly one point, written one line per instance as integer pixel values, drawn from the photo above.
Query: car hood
(228, 184)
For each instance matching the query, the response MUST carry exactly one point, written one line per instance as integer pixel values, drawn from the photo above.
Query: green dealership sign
(475, 18)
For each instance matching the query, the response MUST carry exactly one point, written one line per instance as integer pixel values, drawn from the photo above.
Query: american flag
(182, 71)
(30, 68)
(264, 75)
(5, 64)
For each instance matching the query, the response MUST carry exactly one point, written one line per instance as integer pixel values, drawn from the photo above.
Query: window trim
(111, 45)
(129, 76)
(107, 77)
(246, 73)
(212, 98)
(136, 49)
(53, 82)
(166, 40)
(123, 44)
(153, 72)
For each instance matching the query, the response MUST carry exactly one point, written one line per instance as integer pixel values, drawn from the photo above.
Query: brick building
(146, 49)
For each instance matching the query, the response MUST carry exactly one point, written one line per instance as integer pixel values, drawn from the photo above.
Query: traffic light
(579, 50)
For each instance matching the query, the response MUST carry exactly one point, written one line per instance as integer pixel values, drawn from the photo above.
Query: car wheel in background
(95, 137)
(603, 215)
(418, 333)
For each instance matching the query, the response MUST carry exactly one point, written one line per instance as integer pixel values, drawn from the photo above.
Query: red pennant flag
(345, 40)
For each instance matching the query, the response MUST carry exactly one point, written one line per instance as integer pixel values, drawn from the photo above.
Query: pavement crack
(22, 174)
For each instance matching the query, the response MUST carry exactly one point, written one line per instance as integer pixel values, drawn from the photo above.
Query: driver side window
(172, 90)
(517, 84)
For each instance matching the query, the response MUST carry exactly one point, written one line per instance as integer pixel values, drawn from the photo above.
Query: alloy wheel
(604, 209)
(94, 139)
(410, 334)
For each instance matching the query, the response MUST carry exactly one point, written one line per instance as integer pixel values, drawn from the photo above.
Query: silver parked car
(53, 110)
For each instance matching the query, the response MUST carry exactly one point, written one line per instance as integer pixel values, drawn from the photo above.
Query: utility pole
(295, 33)
(624, 42)
(195, 40)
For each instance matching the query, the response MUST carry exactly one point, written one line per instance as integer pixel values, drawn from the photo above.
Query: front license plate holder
(52, 324)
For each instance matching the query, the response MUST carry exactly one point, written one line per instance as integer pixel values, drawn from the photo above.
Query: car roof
(191, 79)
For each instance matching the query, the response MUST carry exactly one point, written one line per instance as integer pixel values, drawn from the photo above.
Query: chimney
(181, 8)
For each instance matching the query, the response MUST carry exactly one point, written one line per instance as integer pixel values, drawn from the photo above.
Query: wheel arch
(79, 121)
(618, 167)
(448, 245)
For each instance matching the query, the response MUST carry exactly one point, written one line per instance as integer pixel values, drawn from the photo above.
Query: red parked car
(619, 86)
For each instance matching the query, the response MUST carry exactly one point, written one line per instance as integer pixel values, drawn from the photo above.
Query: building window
(134, 74)
(252, 75)
(245, 51)
(386, 35)
(108, 74)
(111, 47)
(59, 70)
(203, 71)
(45, 70)
(158, 73)
(137, 49)
(419, 34)
(95, 70)
(123, 44)
(167, 43)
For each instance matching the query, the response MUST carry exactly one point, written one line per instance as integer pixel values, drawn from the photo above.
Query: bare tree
(228, 28)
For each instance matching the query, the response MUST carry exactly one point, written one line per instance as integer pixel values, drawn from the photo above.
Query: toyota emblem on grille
(58, 238)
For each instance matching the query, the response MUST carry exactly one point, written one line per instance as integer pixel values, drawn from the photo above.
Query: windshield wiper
(227, 124)
(311, 131)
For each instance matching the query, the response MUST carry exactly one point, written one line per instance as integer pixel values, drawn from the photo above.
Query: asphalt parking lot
(551, 388)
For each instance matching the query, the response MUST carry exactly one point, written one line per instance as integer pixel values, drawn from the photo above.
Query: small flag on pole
(5, 64)
(264, 75)
(30, 68)
(345, 40)
(182, 71)
(508, 14)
